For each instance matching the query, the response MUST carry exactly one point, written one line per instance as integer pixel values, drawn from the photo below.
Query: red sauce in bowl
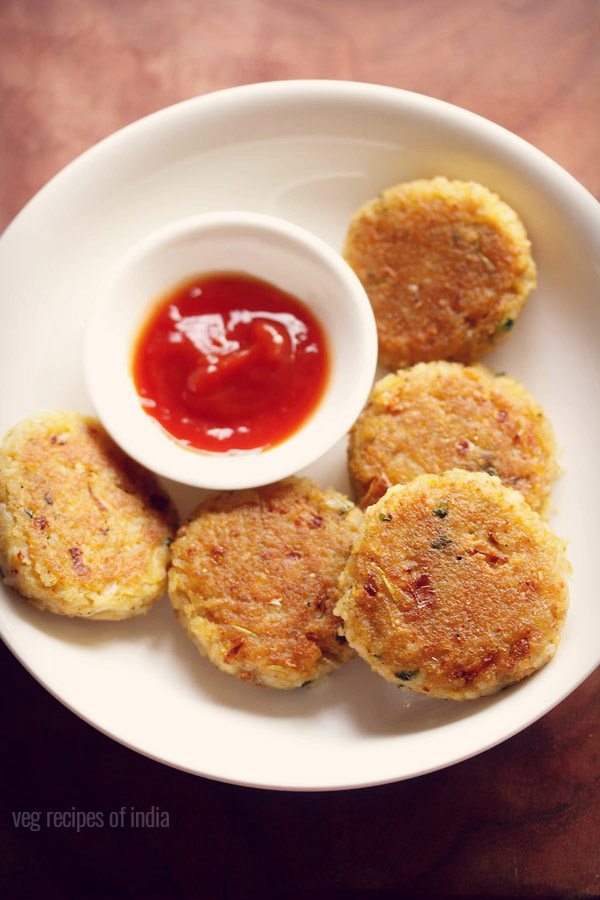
(228, 362)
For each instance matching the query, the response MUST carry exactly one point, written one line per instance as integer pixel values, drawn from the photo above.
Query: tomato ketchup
(227, 362)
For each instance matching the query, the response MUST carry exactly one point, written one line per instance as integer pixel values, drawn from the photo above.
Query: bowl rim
(162, 454)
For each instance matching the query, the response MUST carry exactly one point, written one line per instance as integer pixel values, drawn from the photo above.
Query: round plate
(310, 152)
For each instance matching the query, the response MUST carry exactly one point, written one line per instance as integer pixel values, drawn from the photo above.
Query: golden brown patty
(254, 581)
(455, 587)
(437, 416)
(84, 531)
(446, 265)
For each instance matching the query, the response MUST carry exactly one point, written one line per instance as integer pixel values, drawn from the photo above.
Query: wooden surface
(520, 820)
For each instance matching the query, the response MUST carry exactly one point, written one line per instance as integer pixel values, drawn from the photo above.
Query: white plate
(310, 152)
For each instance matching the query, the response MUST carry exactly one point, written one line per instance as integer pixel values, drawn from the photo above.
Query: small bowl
(265, 247)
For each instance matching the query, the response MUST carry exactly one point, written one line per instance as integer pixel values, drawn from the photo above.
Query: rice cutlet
(84, 530)
(447, 267)
(456, 588)
(438, 416)
(254, 580)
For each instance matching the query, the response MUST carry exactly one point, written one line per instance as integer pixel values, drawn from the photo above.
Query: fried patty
(438, 416)
(447, 267)
(254, 580)
(84, 531)
(455, 587)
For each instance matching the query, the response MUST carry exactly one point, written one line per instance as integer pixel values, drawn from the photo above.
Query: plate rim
(316, 85)
(587, 206)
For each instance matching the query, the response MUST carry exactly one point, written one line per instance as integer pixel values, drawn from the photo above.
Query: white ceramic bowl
(266, 247)
(310, 152)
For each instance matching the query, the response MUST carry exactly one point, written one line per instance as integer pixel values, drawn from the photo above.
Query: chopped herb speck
(406, 675)
(488, 467)
(29, 513)
(441, 542)
(441, 510)
(385, 517)
(507, 324)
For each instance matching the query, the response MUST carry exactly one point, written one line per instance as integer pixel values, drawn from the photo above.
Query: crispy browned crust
(446, 265)
(455, 587)
(438, 416)
(254, 579)
(84, 530)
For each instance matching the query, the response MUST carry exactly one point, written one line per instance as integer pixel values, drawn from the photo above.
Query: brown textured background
(520, 820)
